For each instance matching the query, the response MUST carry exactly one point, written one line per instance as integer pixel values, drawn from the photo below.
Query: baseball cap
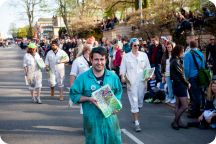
(32, 45)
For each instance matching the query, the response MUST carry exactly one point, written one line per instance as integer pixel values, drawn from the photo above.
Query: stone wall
(118, 30)
(124, 30)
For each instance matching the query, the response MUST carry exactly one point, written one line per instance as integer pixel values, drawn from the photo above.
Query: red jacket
(118, 58)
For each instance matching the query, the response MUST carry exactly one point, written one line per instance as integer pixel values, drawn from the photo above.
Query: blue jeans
(195, 95)
(170, 89)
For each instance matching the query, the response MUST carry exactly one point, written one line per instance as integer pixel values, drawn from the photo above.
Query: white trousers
(136, 95)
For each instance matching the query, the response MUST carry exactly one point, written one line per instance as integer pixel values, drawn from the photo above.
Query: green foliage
(22, 32)
(96, 32)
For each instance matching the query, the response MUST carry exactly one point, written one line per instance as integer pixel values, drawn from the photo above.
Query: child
(156, 92)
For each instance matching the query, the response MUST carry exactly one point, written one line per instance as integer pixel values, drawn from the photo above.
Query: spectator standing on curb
(180, 86)
(155, 55)
(132, 68)
(97, 128)
(55, 60)
(165, 70)
(211, 55)
(191, 73)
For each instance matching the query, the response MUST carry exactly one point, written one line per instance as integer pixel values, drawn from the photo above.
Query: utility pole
(141, 15)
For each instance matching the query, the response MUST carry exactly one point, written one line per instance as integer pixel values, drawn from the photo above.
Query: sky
(12, 14)
(7, 16)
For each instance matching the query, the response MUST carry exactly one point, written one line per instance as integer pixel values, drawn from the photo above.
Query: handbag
(204, 75)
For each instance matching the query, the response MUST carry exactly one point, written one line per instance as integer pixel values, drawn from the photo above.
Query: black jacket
(209, 105)
(177, 71)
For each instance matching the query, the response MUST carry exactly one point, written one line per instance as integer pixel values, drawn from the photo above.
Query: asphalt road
(22, 122)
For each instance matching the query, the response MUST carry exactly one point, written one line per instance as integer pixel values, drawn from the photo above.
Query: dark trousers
(196, 96)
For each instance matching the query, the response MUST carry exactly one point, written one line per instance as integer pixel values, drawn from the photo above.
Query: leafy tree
(13, 30)
(22, 32)
(30, 7)
(64, 9)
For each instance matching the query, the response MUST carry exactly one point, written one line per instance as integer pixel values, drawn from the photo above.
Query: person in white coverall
(131, 70)
(80, 65)
(55, 60)
(33, 72)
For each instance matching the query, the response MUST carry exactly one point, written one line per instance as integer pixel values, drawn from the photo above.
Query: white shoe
(34, 100)
(167, 100)
(137, 128)
(39, 100)
(173, 101)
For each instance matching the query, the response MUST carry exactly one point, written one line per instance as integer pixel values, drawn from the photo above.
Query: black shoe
(193, 124)
(184, 126)
(192, 116)
(174, 126)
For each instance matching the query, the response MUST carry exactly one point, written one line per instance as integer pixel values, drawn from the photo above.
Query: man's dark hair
(125, 38)
(100, 50)
(55, 42)
(115, 41)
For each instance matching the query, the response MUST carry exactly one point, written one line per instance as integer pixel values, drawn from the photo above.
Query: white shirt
(133, 66)
(52, 60)
(167, 70)
(30, 61)
(79, 66)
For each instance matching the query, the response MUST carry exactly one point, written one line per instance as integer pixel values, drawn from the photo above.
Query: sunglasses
(136, 45)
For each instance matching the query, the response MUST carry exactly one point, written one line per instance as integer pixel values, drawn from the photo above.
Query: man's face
(54, 47)
(154, 41)
(98, 62)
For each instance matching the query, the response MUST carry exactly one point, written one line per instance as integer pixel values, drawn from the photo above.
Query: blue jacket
(190, 68)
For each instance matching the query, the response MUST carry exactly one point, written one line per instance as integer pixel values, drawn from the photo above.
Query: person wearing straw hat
(33, 72)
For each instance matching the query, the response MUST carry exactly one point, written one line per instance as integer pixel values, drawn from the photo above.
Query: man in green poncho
(97, 128)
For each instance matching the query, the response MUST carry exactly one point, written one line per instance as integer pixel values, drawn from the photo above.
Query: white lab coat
(57, 70)
(133, 68)
(78, 67)
(34, 74)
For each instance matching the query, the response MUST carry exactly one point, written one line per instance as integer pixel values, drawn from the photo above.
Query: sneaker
(173, 101)
(39, 100)
(34, 100)
(167, 100)
(137, 128)
(149, 100)
(157, 101)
